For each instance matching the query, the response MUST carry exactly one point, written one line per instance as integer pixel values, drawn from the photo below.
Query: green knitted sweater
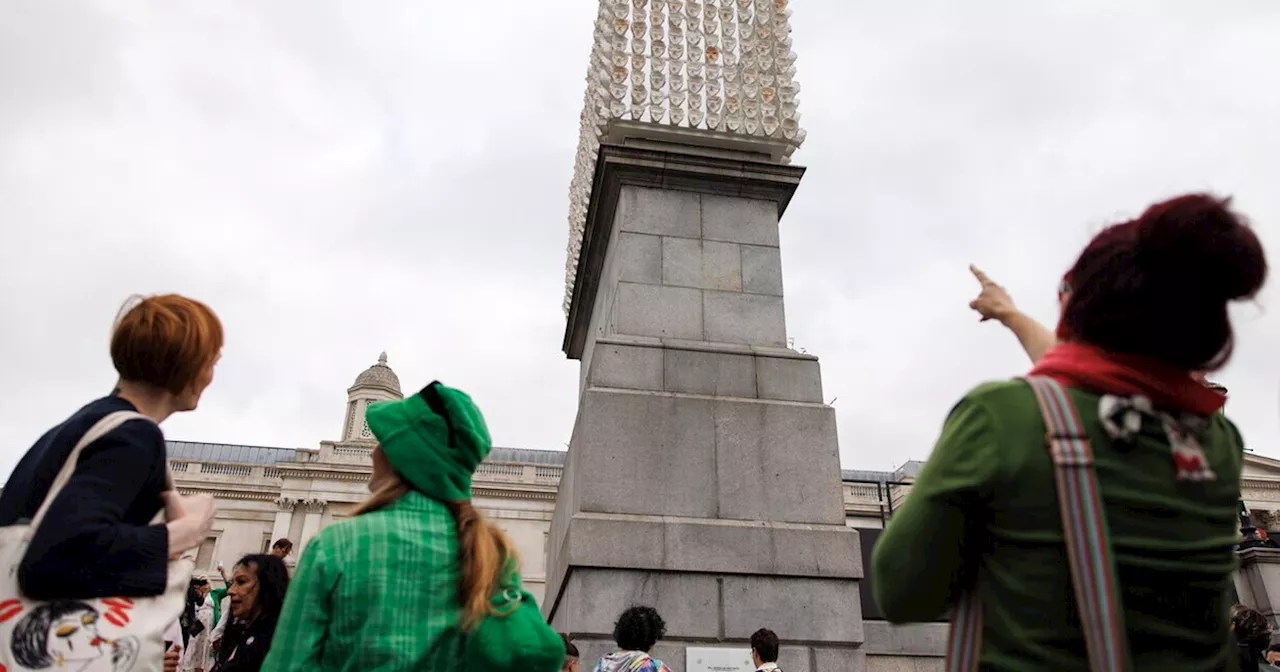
(984, 506)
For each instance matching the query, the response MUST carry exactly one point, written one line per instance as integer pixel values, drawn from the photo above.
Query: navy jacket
(96, 540)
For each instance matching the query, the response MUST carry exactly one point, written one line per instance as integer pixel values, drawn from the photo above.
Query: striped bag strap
(1084, 527)
(964, 641)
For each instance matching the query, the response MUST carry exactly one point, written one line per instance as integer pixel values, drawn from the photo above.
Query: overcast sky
(337, 178)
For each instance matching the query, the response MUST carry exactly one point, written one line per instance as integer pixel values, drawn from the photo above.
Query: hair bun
(1195, 241)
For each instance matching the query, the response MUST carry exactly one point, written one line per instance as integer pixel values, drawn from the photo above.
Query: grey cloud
(338, 178)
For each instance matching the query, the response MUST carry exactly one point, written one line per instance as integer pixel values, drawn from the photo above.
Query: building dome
(379, 376)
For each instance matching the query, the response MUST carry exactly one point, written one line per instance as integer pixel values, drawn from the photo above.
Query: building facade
(264, 493)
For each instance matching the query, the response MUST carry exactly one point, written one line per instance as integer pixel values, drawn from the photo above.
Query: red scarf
(1084, 366)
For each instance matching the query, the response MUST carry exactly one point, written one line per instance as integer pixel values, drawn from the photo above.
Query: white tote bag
(113, 634)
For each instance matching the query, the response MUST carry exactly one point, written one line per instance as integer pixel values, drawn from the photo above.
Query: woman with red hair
(1116, 544)
(99, 540)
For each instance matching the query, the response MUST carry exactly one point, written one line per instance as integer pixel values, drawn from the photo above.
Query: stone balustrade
(187, 471)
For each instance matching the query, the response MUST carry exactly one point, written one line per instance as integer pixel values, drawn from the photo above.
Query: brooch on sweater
(1122, 420)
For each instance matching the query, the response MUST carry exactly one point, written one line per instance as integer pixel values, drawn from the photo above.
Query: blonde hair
(484, 551)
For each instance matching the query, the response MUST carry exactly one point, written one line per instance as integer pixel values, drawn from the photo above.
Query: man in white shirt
(764, 650)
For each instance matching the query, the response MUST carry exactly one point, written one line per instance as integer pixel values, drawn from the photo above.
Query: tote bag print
(114, 634)
(69, 635)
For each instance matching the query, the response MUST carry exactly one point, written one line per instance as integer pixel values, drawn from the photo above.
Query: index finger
(982, 277)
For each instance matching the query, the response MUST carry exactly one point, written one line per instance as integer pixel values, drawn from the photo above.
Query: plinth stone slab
(789, 379)
(639, 258)
(656, 310)
(682, 262)
(664, 445)
(691, 544)
(778, 462)
(839, 660)
(660, 212)
(689, 603)
(714, 457)
(914, 639)
(815, 610)
(739, 220)
(629, 367)
(735, 317)
(761, 270)
(711, 373)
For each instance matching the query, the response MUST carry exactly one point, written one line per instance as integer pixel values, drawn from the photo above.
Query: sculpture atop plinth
(704, 72)
(703, 475)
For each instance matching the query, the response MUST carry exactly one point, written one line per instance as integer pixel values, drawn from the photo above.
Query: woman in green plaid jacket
(401, 584)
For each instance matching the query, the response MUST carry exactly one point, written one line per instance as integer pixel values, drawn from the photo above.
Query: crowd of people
(1083, 517)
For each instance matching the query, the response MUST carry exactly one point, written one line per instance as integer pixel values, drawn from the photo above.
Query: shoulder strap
(1084, 527)
(964, 641)
(99, 429)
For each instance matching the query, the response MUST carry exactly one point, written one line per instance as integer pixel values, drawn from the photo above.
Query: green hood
(434, 439)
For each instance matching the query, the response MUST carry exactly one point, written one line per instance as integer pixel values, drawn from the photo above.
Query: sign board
(715, 659)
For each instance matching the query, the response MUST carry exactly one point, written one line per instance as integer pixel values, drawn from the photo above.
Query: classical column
(703, 475)
(311, 523)
(284, 518)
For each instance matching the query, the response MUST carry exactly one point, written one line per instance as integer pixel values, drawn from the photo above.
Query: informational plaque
(715, 659)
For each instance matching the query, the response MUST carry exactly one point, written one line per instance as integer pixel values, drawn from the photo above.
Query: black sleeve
(84, 548)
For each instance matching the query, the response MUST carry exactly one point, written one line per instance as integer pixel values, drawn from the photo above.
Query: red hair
(166, 341)
(1159, 285)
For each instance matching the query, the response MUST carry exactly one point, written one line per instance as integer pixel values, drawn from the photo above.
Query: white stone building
(264, 494)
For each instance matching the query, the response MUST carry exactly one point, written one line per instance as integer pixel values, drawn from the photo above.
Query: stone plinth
(703, 475)
(1258, 583)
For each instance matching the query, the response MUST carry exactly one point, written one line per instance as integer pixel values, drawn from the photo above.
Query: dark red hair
(1159, 285)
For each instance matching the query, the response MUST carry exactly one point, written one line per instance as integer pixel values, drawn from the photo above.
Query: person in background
(638, 629)
(196, 658)
(1251, 634)
(1146, 306)
(570, 655)
(258, 587)
(99, 540)
(401, 583)
(282, 548)
(221, 613)
(764, 650)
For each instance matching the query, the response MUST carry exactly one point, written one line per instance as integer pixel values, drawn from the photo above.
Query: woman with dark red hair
(1084, 518)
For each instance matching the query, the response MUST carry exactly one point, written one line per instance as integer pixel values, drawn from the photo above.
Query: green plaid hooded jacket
(375, 593)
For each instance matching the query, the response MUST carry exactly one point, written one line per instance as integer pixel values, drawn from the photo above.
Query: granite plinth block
(739, 220)
(689, 603)
(713, 373)
(914, 639)
(663, 212)
(839, 660)
(789, 379)
(656, 310)
(682, 262)
(752, 319)
(721, 266)
(825, 611)
(656, 543)
(638, 258)
(778, 462)
(761, 270)
(627, 367)
(714, 608)
(709, 457)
